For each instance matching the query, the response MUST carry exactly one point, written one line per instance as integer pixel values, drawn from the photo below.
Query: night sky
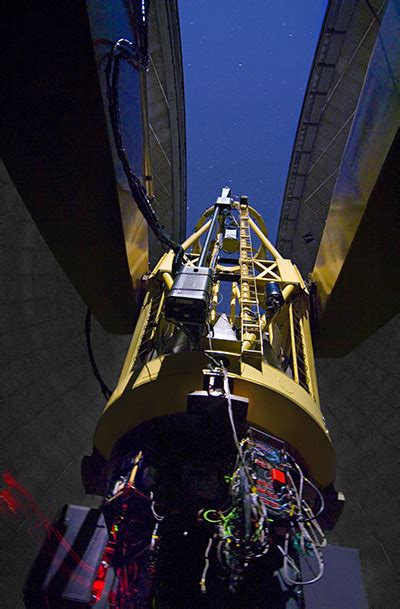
(246, 66)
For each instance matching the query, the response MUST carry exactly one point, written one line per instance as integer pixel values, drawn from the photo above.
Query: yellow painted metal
(303, 363)
(293, 344)
(288, 291)
(258, 217)
(194, 240)
(248, 340)
(289, 272)
(168, 280)
(165, 263)
(235, 294)
(232, 314)
(156, 379)
(214, 301)
(267, 270)
(309, 352)
(227, 269)
(251, 330)
(133, 348)
(253, 213)
(135, 468)
(196, 236)
(276, 403)
(206, 214)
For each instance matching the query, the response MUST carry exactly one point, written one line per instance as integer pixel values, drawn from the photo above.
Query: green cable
(209, 519)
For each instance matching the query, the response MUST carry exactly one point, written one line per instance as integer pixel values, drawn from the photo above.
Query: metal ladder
(252, 346)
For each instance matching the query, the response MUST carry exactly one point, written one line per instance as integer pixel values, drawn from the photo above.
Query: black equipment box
(188, 301)
(63, 573)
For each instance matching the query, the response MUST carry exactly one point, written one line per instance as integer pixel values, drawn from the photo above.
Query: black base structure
(65, 571)
(341, 585)
(200, 511)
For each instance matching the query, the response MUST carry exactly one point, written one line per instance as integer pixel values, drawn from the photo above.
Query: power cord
(88, 323)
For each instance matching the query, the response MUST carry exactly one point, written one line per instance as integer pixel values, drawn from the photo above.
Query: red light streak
(19, 503)
(7, 497)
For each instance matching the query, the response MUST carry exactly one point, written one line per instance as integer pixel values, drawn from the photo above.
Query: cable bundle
(243, 533)
(305, 537)
(258, 506)
(124, 50)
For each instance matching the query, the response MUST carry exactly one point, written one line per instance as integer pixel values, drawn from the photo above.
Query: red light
(97, 589)
(9, 500)
(278, 476)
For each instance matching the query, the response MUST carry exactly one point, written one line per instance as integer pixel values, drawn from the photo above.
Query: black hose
(124, 50)
(105, 390)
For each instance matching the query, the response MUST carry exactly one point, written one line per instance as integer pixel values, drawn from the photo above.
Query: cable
(211, 333)
(153, 510)
(203, 587)
(303, 478)
(105, 390)
(288, 559)
(227, 392)
(313, 533)
(154, 535)
(205, 516)
(124, 50)
(243, 531)
(321, 498)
